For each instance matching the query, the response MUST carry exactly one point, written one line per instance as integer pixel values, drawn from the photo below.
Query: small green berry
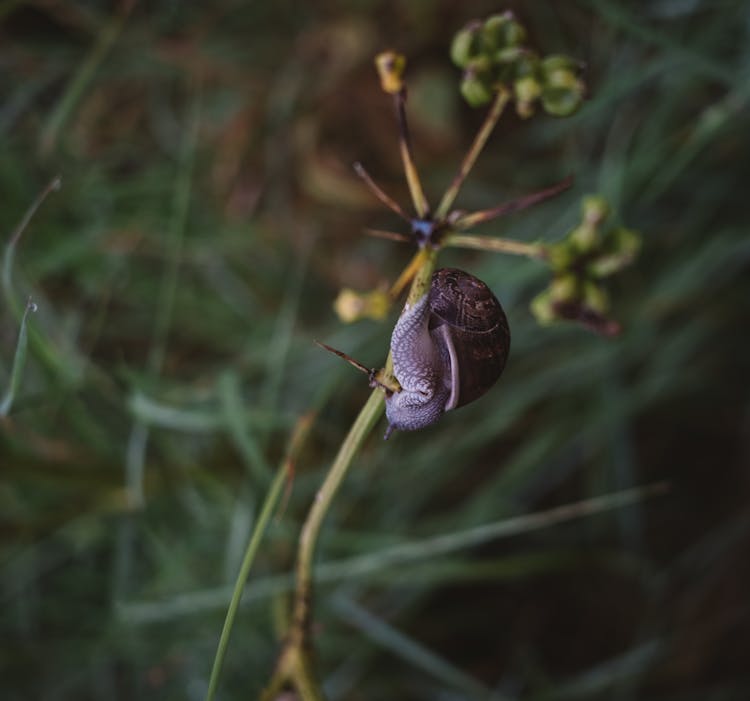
(465, 46)
(584, 238)
(594, 209)
(477, 84)
(543, 309)
(559, 62)
(595, 298)
(563, 289)
(561, 102)
(501, 31)
(527, 90)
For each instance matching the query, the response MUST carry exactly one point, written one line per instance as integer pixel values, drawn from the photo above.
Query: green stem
(418, 197)
(295, 663)
(420, 286)
(501, 100)
(45, 352)
(271, 500)
(496, 245)
(361, 428)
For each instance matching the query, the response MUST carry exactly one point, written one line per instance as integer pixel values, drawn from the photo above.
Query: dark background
(208, 218)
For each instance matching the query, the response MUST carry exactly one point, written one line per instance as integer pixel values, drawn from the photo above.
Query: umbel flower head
(494, 57)
(579, 263)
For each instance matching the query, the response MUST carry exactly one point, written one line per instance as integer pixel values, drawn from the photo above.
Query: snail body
(448, 349)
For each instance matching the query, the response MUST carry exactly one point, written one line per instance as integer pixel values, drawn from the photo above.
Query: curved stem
(360, 429)
(10, 249)
(19, 360)
(295, 662)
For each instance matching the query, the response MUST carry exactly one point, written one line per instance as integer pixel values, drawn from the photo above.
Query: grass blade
(19, 360)
(271, 500)
(407, 648)
(10, 249)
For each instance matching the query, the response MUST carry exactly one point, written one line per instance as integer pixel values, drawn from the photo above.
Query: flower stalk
(500, 70)
(295, 664)
(490, 122)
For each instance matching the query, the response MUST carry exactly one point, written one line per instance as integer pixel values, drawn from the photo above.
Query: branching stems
(431, 232)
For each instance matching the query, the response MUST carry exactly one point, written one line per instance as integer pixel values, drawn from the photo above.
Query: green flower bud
(560, 255)
(562, 102)
(477, 84)
(563, 90)
(475, 91)
(511, 54)
(626, 241)
(500, 31)
(594, 209)
(561, 80)
(527, 90)
(623, 245)
(465, 46)
(543, 309)
(595, 298)
(558, 62)
(492, 34)
(584, 238)
(563, 289)
(527, 84)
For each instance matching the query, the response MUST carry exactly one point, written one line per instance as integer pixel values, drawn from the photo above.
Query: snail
(448, 349)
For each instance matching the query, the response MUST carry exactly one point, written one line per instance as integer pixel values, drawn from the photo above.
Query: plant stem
(420, 286)
(370, 413)
(467, 221)
(496, 245)
(501, 100)
(295, 663)
(408, 274)
(418, 197)
(269, 504)
(381, 194)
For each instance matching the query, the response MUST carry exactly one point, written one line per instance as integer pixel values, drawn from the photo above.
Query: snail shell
(448, 349)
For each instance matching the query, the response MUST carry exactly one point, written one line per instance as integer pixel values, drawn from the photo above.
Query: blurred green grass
(207, 218)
